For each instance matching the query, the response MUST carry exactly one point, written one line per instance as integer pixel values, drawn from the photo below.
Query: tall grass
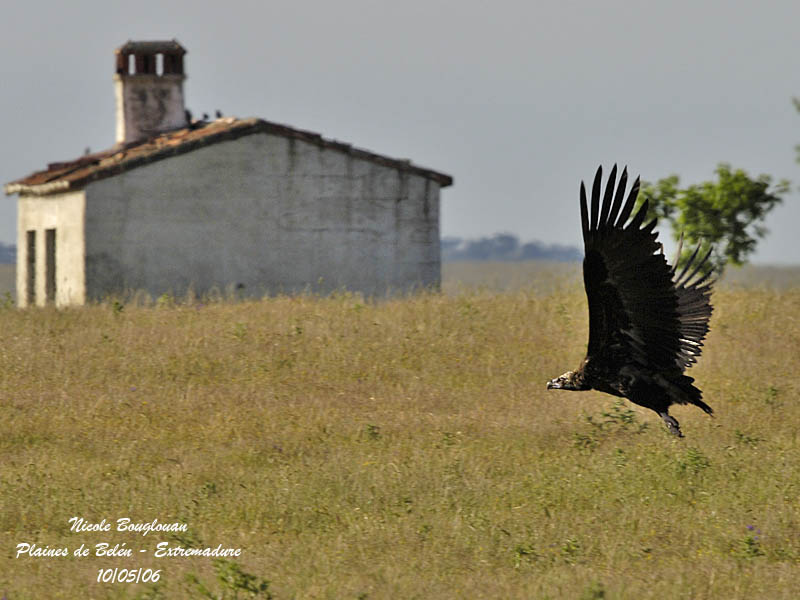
(395, 449)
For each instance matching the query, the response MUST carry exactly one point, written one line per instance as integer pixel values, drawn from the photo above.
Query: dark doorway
(50, 265)
(30, 291)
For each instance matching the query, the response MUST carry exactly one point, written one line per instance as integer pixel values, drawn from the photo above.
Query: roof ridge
(60, 176)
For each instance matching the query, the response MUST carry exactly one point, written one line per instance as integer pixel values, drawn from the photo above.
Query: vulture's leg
(672, 423)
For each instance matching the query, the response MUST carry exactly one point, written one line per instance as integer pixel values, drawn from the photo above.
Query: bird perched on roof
(647, 322)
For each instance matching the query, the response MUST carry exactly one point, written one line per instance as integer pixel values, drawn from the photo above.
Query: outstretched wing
(634, 308)
(693, 286)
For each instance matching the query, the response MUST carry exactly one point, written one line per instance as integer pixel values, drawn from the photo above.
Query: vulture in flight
(647, 321)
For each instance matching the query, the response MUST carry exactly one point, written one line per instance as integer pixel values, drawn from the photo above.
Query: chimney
(148, 85)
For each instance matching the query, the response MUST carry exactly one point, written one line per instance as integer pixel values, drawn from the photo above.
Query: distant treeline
(8, 254)
(500, 246)
(505, 246)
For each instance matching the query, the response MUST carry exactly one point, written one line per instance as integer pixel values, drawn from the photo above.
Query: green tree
(727, 213)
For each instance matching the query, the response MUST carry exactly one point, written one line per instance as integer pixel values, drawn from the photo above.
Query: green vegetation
(727, 214)
(395, 449)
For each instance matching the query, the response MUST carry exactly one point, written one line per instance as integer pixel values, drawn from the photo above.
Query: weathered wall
(267, 212)
(148, 104)
(64, 213)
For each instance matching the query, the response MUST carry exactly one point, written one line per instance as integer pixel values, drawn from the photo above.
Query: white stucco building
(242, 203)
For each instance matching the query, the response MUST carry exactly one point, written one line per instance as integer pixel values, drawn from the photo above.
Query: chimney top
(146, 61)
(171, 46)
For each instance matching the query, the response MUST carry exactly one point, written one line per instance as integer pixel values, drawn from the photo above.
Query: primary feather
(646, 323)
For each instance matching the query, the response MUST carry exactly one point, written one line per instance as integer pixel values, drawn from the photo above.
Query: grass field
(396, 449)
(8, 284)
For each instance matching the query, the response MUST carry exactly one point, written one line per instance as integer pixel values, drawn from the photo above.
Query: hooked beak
(553, 385)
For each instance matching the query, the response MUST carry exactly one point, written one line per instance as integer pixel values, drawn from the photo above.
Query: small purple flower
(133, 388)
(750, 527)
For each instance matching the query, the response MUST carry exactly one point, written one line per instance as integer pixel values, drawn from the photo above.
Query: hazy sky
(518, 101)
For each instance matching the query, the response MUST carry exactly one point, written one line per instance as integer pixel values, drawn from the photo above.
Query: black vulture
(647, 321)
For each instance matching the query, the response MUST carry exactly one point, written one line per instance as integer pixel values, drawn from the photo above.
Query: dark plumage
(646, 322)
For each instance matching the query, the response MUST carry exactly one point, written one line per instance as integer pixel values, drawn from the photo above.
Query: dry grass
(553, 276)
(8, 280)
(398, 449)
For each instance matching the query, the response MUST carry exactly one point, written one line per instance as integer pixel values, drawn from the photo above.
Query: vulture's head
(567, 381)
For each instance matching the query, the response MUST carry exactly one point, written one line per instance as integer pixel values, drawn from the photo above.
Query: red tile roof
(74, 174)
